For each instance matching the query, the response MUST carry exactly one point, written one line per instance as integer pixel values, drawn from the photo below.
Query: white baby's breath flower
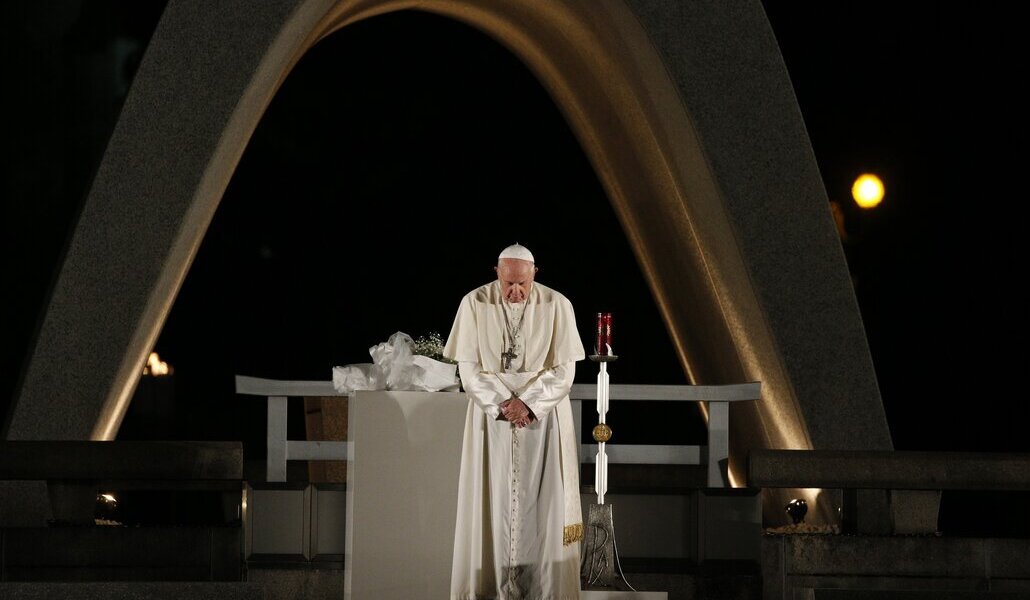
(432, 346)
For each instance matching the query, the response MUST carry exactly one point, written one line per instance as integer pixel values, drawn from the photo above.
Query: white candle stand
(601, 568)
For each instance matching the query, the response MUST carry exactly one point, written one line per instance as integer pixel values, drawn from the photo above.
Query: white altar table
(402, 486)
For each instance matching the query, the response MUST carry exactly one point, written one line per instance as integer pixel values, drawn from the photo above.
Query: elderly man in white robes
(519, 518)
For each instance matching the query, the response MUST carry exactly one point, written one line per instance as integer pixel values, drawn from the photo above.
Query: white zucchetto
(517, 251)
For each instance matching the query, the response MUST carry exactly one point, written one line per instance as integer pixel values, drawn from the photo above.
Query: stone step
(698, 584)
(182, 461)
(122, 553)
(125, 590)
(619, 595)
(874, 567)
(824, 594)
(889, 470)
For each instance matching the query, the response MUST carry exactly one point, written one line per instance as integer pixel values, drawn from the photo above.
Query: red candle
(602, 345)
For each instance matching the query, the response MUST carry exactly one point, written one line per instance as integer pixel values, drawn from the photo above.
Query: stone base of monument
(895, 567)
(296, 525)
(619, 595)
(145, 553)
(133, 590)
(915, 511)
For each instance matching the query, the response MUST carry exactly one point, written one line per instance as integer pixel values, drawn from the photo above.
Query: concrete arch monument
(685, 110)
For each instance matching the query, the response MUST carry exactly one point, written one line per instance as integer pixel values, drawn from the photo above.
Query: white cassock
(519, 520)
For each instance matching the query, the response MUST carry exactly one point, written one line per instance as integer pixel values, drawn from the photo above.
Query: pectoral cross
(509, 355)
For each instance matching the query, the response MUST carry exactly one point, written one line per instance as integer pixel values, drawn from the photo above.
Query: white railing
(718, 397)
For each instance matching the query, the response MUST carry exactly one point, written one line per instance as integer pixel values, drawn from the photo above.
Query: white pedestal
(402, 493)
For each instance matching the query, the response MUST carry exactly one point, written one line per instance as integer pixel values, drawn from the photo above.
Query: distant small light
(156, 367)
(867, 190)
(109, 498)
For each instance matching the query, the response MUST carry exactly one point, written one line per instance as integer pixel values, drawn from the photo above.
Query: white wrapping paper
(396, 367)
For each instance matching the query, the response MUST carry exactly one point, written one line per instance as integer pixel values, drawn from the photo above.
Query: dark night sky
(386, 130)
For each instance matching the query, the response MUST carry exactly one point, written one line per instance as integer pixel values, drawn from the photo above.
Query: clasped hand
(516, 412)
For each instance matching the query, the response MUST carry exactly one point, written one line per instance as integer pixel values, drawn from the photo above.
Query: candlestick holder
(601, 568)
(601, 463)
